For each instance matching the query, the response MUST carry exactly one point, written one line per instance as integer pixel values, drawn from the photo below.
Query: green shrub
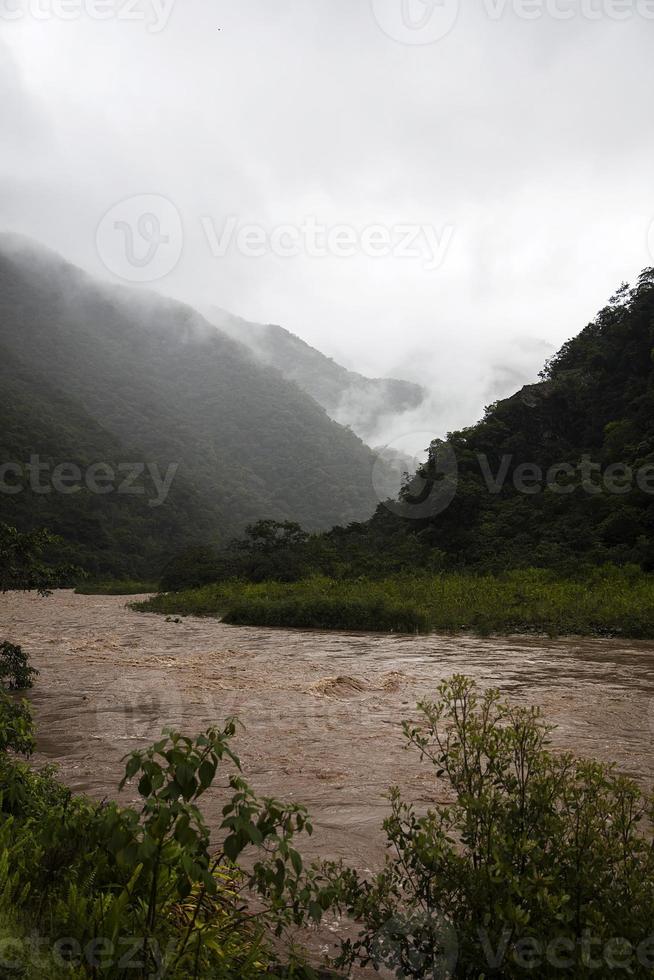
(537, 855)
(15, 671)
(540, 863)
(145, 884)
(24, 564)
(16, 727)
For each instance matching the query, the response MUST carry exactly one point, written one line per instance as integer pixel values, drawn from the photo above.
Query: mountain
(561, 474)
(92, 373)
(365, 404)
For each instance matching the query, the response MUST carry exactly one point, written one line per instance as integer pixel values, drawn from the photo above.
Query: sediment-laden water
(321, 711)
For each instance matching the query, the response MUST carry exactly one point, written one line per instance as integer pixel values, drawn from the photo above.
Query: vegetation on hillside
(561, 474)
(28, 562)
(560, 477)
(98, 374)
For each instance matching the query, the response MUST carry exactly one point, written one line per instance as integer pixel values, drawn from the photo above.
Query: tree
(268, 536)
(22, 563)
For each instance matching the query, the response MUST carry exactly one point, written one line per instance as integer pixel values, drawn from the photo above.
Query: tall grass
(608, 601)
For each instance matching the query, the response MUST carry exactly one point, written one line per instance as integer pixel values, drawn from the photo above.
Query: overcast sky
(509, 149)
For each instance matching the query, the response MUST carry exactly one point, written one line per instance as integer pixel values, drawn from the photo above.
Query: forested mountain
(94, 373)
(560, 475)
(350, 398)
(562, 472)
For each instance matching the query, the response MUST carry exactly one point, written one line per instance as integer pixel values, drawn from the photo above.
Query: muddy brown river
(321, 712)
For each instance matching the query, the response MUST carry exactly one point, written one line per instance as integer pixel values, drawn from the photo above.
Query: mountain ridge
(348, 397)
(165, 387)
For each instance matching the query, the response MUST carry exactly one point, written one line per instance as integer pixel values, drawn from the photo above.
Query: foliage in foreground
(16, 674)
(140, 891)
(542, 864)
(609, 601)
(539, 864)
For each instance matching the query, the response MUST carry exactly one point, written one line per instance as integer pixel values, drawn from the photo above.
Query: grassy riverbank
(609, 601)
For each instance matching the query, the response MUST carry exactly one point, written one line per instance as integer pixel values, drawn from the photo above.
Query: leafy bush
(24, 564)
(143, 885)
(16, 728)
(15, 671)
(541, 862)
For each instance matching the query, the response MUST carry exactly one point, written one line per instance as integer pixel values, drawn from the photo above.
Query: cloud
(528, 137)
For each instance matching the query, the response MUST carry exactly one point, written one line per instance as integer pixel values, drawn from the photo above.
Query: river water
(321, 712)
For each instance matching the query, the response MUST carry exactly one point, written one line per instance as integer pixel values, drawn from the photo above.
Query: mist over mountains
(93, 373)
(367, 405)
(559, 477)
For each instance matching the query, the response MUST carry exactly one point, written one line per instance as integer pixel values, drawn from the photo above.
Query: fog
(446, 212)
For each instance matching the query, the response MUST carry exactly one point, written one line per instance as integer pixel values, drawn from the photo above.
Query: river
(321, 712)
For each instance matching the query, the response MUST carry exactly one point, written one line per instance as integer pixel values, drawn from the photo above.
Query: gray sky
(522, 139)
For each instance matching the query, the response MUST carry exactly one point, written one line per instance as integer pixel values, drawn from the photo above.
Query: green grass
(116, 587)
(608, 602)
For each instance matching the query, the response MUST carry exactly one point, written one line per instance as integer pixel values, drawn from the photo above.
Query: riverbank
(607, 602)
